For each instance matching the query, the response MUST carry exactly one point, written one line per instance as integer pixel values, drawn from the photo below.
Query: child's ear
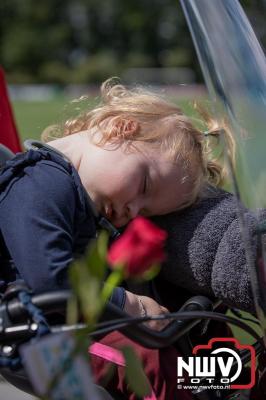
(124, 127)
(130, 127)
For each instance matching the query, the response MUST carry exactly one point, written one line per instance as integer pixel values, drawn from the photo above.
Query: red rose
(140, 246)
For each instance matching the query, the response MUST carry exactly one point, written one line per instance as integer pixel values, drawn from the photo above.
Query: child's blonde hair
(160, 123)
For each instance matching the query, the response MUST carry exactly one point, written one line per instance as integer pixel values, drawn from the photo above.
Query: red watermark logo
(217, 365)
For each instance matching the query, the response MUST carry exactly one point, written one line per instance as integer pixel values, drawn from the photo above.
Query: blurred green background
(32, 117)
(87, 41)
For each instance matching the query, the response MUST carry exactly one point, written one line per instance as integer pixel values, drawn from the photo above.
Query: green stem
(113, 280)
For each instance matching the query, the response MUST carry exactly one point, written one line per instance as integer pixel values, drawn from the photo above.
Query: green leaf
(102, 244)
(135, 376)
(113, 280)
(87, 289)
(90, 299)
(95, 259)
(72, 310)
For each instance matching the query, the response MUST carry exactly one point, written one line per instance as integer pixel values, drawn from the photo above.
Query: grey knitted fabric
(205, 250)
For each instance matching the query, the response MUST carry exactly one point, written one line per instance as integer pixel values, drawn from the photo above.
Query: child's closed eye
(144, 190)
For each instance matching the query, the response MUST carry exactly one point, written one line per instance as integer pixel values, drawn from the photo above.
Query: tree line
(85, 41)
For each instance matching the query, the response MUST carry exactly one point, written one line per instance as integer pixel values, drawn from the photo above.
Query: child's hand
(140, 306)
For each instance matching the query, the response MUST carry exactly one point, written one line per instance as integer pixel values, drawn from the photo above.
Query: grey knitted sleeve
(205, 250)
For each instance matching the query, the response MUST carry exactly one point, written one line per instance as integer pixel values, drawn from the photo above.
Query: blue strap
(35, 313)
(42, 328)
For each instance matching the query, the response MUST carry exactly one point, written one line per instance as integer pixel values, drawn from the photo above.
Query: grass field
(33, 117)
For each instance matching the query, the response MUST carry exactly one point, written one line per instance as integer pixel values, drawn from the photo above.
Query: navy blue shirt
(45, 221)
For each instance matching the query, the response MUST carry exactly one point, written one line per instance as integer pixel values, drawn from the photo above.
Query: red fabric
(259, 391)
(159, 366)
(8, 131)
(116, 357)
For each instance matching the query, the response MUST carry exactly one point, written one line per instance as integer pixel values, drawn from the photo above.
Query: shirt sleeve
(37, 221)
